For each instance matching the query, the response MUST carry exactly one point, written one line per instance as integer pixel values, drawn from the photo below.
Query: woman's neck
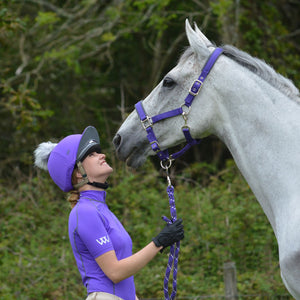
(88, 187)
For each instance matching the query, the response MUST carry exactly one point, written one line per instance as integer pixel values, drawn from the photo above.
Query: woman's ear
(78, 174)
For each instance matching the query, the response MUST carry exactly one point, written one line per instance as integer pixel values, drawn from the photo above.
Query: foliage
(35, 259)
(67, 64)
(222, 220)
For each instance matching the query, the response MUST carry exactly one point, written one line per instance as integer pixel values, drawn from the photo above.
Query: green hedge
(223, 222)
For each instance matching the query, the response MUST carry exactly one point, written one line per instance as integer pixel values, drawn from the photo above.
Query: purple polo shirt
(94, 230)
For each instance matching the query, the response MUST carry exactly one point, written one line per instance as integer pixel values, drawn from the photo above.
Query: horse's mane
(259, 67)
(263, 70)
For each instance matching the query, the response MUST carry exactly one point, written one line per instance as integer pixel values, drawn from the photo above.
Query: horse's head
(131, 142)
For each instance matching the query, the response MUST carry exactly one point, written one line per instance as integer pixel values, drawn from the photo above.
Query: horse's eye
(168, 82)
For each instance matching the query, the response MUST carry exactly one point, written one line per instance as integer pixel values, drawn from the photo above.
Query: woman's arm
(118, 270)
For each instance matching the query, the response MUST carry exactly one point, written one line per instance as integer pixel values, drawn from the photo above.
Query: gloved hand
(170, 234)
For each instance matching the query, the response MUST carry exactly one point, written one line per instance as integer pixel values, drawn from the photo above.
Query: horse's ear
(197, 42)
(206, 41)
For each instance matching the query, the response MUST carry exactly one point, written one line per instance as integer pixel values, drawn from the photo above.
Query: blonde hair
(73, 195)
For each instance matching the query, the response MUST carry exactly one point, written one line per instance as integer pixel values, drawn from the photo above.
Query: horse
(254, 111)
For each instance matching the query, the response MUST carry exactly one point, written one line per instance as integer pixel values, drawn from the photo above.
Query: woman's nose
(101, 155)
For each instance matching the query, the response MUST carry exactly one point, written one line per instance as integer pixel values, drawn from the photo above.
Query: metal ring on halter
(166, 167)
(185, 113)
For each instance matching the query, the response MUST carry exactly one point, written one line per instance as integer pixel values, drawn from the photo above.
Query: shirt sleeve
(93, 232)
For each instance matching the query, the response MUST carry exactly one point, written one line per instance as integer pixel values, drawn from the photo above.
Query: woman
(101, 246)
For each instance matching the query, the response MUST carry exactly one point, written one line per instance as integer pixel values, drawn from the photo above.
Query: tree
(67, 64)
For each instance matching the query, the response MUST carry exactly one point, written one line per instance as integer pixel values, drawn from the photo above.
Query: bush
(223, 222)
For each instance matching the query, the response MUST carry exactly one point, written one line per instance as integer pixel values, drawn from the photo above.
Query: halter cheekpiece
(166, 159)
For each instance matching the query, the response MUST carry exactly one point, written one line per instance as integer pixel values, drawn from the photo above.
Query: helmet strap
(85, 179)
(99, 185)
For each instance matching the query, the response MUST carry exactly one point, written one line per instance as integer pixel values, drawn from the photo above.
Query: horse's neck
(261, 128)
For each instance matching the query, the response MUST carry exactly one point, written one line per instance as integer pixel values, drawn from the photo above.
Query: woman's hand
(170, 234)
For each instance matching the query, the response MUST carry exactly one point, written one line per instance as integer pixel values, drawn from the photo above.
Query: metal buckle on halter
(147, 122)
(194, 90)
(158, 147)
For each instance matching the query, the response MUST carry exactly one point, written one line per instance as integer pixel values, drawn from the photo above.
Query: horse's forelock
(188, 52)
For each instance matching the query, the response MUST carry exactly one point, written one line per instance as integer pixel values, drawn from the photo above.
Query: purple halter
(148, 122)
(166, 159)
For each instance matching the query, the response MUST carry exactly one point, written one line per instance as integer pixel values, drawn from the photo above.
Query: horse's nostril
(117, 140)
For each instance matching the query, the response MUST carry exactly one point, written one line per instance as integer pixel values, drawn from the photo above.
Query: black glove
(170, 234)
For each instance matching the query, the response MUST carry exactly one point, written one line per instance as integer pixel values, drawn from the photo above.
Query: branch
(57, 10)
(24, 57)
(292, 34)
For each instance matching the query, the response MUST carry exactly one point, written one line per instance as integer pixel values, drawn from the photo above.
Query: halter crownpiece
(148, 122)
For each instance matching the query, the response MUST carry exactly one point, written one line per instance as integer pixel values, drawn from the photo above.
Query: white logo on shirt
(103, 240)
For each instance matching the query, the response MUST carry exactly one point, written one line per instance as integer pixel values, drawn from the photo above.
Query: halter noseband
(148, 122)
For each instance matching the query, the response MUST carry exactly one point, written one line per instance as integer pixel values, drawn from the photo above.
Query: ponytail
(73, 198)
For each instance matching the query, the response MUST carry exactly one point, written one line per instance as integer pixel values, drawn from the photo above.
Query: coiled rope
(175, 248)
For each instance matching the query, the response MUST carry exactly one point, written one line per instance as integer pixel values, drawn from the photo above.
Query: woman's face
(96, 167)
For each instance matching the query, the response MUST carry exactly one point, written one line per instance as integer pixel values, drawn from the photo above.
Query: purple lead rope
(174, 249)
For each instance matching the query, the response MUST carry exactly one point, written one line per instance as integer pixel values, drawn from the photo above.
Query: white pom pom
(42, 153)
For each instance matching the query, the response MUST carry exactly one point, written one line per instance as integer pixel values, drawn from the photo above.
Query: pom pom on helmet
(42, 153)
